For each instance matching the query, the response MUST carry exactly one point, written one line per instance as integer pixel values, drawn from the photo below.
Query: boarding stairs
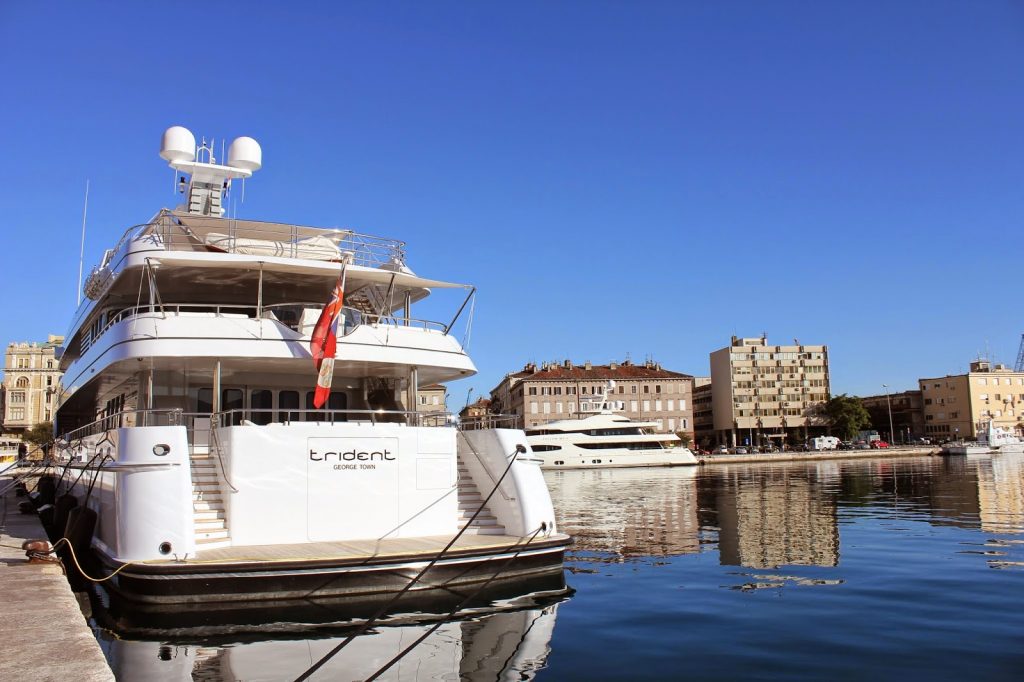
(470, 500)
(208, 512)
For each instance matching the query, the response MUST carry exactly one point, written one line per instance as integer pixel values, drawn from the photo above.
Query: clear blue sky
(618, 178)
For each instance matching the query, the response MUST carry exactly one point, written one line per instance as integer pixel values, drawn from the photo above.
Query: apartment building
(765, 394)
(703, 415)
(29, 391)
(961, 405)
(906, 408)
(551, 391)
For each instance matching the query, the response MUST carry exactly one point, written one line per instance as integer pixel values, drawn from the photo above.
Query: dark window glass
(261, 401)
(204, 402)
(288, 400)
(232, 399)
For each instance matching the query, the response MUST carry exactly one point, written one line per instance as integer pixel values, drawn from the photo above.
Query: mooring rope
(391, 602)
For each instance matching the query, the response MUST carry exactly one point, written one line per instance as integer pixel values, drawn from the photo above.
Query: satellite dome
(179, 144)
(245, 153)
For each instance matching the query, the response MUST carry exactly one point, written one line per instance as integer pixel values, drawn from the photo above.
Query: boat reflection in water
(624, 513)
(1001, 492)
(495, 638)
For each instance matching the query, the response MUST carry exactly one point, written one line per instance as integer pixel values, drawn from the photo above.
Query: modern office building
(647, 392)
(765, 394)
(29, 389)
(906, 408)
(961, 405)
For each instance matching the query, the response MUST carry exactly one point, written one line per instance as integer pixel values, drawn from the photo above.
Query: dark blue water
(878, 569)
(886, 569)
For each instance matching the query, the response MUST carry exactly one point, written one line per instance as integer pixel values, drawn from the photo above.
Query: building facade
(29, 390)
(907, 415)
(768, 394)
(961, 405)
(703, 415)
(647, 392)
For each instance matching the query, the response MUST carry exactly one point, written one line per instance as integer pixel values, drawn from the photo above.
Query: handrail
(218, 310)
(490, 421)
(294, 415)
(116, 420)
(483, 464)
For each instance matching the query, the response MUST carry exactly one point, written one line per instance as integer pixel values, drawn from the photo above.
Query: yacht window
(261, 404)
(338, 401)
(204, 401)
(288, 400)
(335, 401)
(232, 399)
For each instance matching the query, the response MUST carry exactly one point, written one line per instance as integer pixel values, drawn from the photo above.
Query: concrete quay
(815, 456)
(44, 633)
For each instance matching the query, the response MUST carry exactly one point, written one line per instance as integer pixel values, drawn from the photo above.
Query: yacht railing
(126, 419)
(171, 232)
(288, 416)
(353, 316)
(490, 421)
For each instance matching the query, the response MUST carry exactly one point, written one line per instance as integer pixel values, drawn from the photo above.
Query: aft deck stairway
(470, 500)
(208, 514)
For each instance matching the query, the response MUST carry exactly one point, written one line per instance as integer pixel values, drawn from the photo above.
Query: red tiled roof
(600, 373)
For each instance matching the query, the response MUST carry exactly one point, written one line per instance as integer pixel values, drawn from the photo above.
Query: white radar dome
(179, 144)
(245, 153)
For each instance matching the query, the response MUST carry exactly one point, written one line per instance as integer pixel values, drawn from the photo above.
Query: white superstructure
(603, 437)
(187, 397)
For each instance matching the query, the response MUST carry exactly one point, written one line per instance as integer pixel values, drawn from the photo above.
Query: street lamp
(889, 404)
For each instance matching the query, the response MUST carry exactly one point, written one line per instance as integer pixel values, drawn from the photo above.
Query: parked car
(740, 451)
(721, 450)
(879, 444)
(861, 445)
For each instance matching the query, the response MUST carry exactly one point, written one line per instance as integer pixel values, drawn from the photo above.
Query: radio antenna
(81, 253)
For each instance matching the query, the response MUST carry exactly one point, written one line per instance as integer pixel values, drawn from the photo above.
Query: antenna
(81, 253)
(1019, 365)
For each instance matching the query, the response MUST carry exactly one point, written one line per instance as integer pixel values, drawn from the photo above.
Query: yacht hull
(368, 578)
(610, 459)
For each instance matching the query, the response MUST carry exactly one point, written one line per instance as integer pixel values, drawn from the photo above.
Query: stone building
(432, 400)
(907, 415)
(961, 405)
(768, 394)
(552, 391)
(29, 391)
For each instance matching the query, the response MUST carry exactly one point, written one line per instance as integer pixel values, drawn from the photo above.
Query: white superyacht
(195, 461)
(601, 436)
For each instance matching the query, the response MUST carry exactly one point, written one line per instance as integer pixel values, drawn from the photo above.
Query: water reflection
(649, 512)
(500, 639)
(774, 517)
(499, 646)
(1001, 493)
(785, 514)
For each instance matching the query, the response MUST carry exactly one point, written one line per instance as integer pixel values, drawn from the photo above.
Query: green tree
(40, 434)
(685, 438)
(846, 416)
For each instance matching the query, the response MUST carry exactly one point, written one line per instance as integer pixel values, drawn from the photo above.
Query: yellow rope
(79, 566)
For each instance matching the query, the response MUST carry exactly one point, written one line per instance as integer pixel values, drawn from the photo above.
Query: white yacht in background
(188, 400)
(601, 436)
(992, 439)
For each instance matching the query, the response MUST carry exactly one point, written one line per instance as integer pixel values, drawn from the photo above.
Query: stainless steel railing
(353, 317)
(264, 417)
